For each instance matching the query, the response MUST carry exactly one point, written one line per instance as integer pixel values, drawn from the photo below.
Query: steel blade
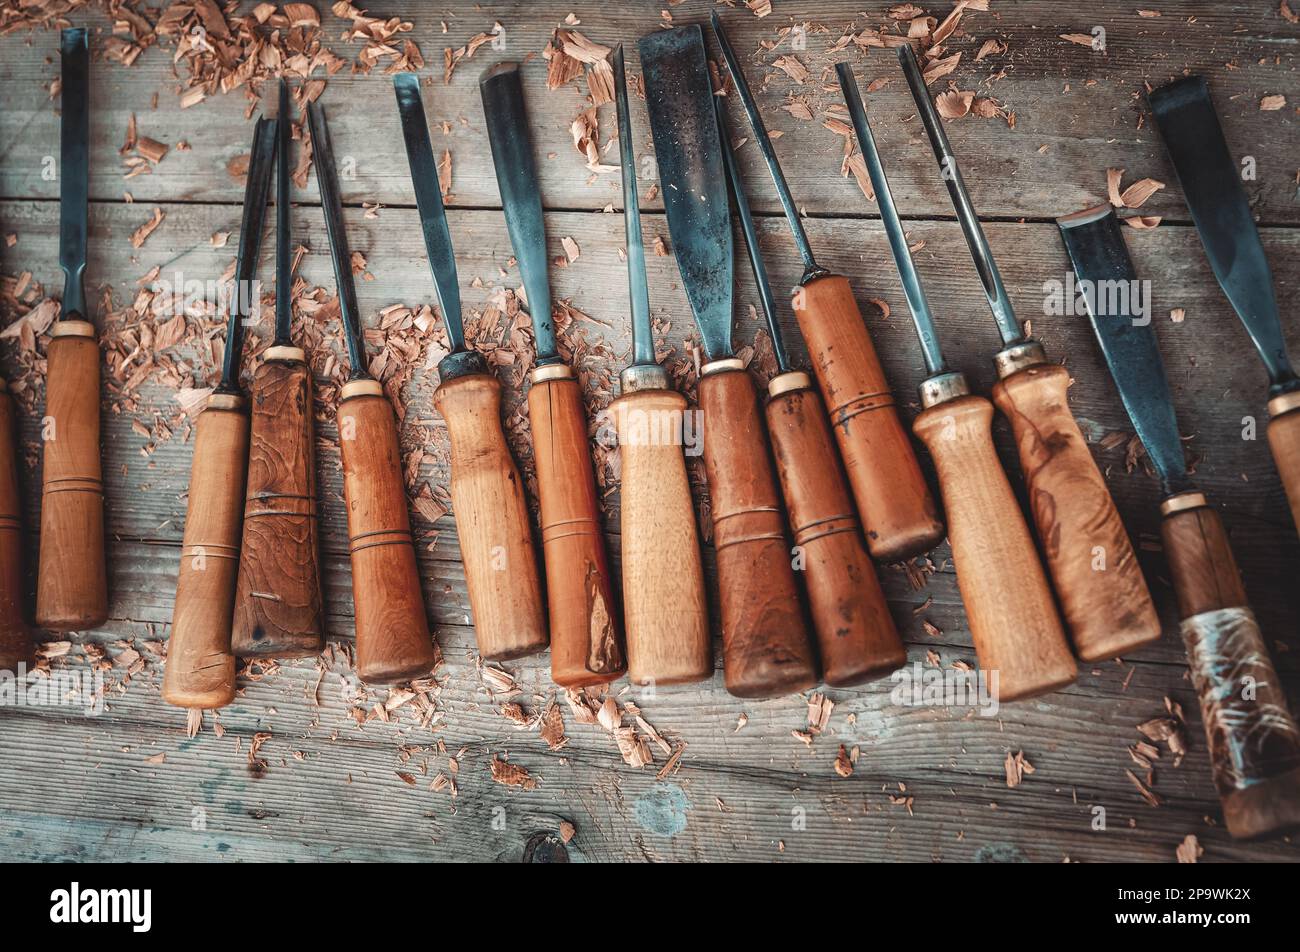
(283, 229)
(74, 170)
(643, 344)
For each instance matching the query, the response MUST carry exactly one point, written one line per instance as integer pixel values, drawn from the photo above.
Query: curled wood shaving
(141, 234)
(512, 775)
(1189, 850)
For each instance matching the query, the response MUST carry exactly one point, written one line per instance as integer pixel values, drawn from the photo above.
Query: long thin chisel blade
(74, 171)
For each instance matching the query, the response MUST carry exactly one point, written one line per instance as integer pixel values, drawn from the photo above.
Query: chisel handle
(1253, 740)
(1284, 441)
(487, 498)
(666, 615)
(1013, 620)
(278, 611)
(15, 636)
(72, 581)
(200, 669)
(898, 513)
(586, 637)
(1098, 581)
(855, 633)
(766, 650)
(393, 641)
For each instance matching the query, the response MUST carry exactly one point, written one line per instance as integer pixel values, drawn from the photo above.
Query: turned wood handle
(1013, 620)
(278, 597)
(1103, 595)
(766, 650)
(1252, 738)
(487, 498)
(666, 615)
(393, 641)
(855, 633)
(15, 636)
(898, 513)
(586, 640)
(1284, 441)
(200, 670)
(72, 582)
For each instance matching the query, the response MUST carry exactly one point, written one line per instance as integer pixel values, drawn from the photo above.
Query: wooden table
(336, 781)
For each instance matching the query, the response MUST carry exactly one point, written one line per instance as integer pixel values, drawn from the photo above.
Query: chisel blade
(74, 169)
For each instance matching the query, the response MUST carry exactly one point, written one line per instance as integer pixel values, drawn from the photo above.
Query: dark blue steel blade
(74, 170)
(283, 232)
(643, 343)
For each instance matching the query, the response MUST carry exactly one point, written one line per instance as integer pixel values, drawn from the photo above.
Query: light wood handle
(1013, 620)
(898, 513)
(487, 497)
(1252, 738)
(766, 650)
(15, 636)
(666, 615)
(278, 597)
(393, 641)
(586, 637)
(1103, 595)
(200, 670)
(855, 633)
(72, 581)
(1284, 441)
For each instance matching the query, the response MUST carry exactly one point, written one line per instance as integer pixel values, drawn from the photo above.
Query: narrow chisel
(1107, 605)
(487, 493)
(586, 637)
(1013, 619)
(15, 635)
(1253, 740)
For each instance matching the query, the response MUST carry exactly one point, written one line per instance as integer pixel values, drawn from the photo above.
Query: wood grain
(15, 636)
(1284, 441)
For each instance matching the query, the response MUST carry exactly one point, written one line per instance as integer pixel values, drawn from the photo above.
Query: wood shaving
(1189, 850)
(512, 775)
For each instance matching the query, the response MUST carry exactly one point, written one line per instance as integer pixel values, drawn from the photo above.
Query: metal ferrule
(943, 387)
(226, 401)
(788, 382)
(812, 274)
(643, 377)
(551, 372)
(1027, 353)
(72, 328)
(281, 352)
(461, 363)
(361, 388)
(721, 365)
(1284, 403)
(1190, 499)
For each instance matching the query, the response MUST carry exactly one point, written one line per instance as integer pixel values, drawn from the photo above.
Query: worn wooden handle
(393, 641)
(487, 497)
(15, 636)
(1013, 620)
(766, 650)
(72, 581)
(586, 637)
(855, 633)
(898, 512)
(1252, 738)
(200, 670)
(666, 615)
(1284, 441)
(278, 597)
(1103, 595)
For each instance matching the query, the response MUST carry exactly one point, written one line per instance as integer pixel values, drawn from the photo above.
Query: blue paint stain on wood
(662, 810)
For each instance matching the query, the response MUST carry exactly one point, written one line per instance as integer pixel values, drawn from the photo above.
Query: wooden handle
(1253, 740)
(72, 581)
(15, 636)
(278, 597)
(487, 497)
(393, 642)
(1103, 595)
(667, 618)
(766, 650)
(1013, 620)
(586, 641)
(200, 670)
(898, 513)
(1284, 441)
(855, 633)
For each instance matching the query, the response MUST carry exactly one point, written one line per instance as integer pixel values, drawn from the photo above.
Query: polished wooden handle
(666, 615)
(855, 633)
(1104, 598)
(1284, 441)
(278, 597)
(487, 498)
(586, 637)
(766, 650)
(1013, 620)
(898, 513)
(200, 670)
(15, 636)
(72, 580)
(393, 641)
(1253, 740)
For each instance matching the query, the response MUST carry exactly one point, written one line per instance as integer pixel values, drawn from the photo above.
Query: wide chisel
(278, 604)
(72, 581)
(393, 642)
(897, 510)
(1107, 605)
(1253, 741)
(765, 644)
(487, 493)
(1013, 618)
(586, 637)
(665, 613)
(1211, 183)
(856, 636)
(200, 669)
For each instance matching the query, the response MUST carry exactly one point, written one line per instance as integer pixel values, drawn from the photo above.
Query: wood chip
(512, 775)
(1189, 850)
(1272, 103)
(141, 234)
